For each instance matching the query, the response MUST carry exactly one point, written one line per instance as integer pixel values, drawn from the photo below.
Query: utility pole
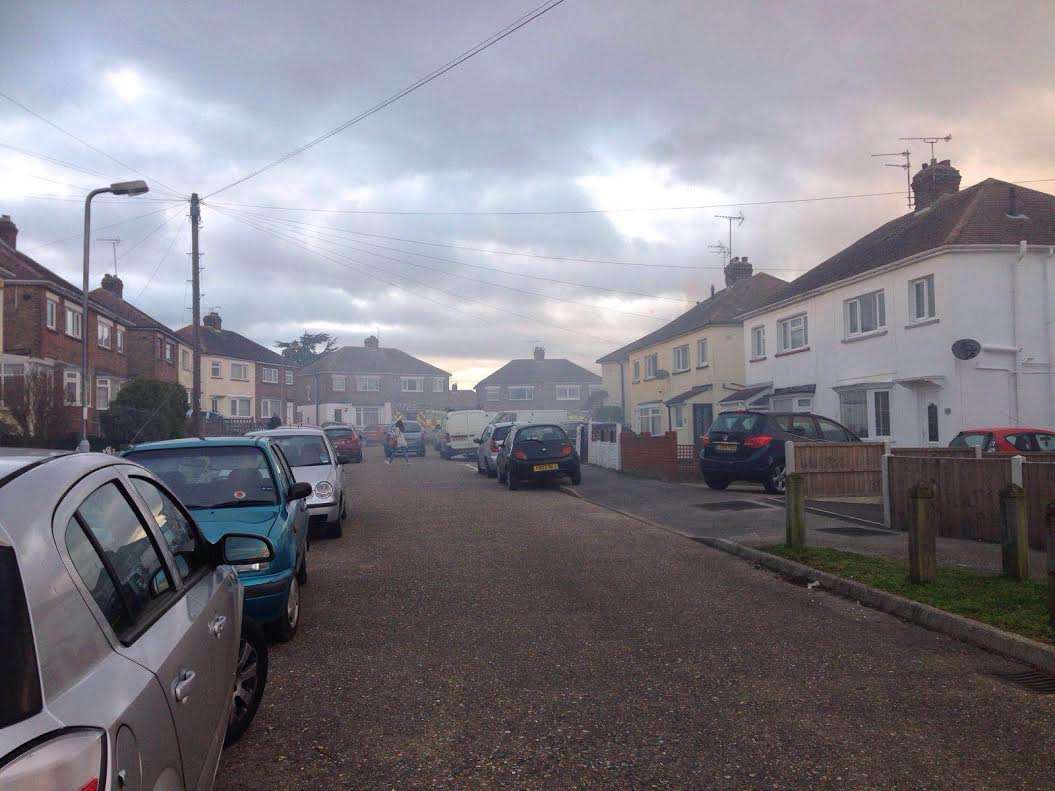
(195, 218)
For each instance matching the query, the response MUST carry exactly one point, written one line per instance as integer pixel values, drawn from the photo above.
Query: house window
(793, 333)
(104, 333)
(102, 393)
(649, 420)
(216, 369)
(51, 314)
(853, 411)
(308, 390)
(703, 358)
(9, 371)
(677, 416)
(439, 384)
(521, 393)
(71, 385)
(74, 326)
(120, 340)
(569, 392)
(216, 404)
(367, 415)
(270, 407)
(289, 377)
(758, 342)
(651, 365)
(184, 359)
(170, 353)
(269, 376)
(339, 384)
(493, 393)
(240, 372)
(637, 370)
(413, 384)
(881, 408)
(864, 314)
(681, 358)
(921, 299)
(241, 407)
(368, 383)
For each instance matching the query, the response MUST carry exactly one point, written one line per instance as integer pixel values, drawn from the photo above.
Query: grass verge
(1019, 607)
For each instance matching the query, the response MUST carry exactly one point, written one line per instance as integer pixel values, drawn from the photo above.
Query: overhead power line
(83, 142)
(52, 160)
(150, 233)
(490, 41)
(80, 234)
(157, 268)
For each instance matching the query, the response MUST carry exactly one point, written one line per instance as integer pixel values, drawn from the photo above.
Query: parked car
(490, 443)
(460, 428)
(313, 459)
(373, 434)
(243, 485)
(124, 654)
(749, 446)
(347, 442)
(531, 416)
(413, 433)
(1008, 439)
(537, 452)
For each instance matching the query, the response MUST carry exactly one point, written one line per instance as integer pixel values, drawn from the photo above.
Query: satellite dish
(966, 349)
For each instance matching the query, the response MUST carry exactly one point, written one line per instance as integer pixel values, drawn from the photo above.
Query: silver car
(121, 629)
(311, 455)
(489, 442)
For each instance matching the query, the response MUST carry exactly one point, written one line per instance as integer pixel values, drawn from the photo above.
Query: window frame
(119, 336)
(577, 389)
(235, 400)
(930, 302)
(268, 375)
(787, 323)
(680, 351)
(703, 353)
(235, 378)
(529, 391)
(366, 379)
(758, 350)
(51, 313)
(72, 377)
(651, 362)
(654, 413)
(853, 312)
(186, 356)
(342, 380)
(420, 380)
(637, 371)
(74, 321)
(170, 352)
(439, 384)
(104, 333)
(216, 369)
(109, 391)
(677, 416)
(492, 393)
(270, 402)
(289, 378)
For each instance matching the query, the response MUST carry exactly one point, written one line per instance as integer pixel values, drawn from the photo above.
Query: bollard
(1015, 536)
(922, 534)
(1050, 516)
(795, 515)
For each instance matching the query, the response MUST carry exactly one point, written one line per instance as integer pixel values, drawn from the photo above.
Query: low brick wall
(651, 457)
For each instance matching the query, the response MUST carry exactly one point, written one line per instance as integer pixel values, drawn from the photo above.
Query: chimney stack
(8, 231)
(114, 285)
(737, 269)
(212, 320)
(372, 342)
(540, 352)
(934, 180)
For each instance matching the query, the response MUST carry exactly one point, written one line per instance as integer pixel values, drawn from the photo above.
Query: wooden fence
(945, 453)
(839, 469)
(968, 493)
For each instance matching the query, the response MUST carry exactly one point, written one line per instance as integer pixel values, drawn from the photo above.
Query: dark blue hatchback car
(749, 446)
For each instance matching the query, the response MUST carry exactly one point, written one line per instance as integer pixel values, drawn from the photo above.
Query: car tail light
(757, 441)
(494, 447)
(566, 450)
(72, 760)
(519, 454)
(705, 441)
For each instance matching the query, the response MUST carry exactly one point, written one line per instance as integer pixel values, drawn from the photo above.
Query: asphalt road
(461, 635)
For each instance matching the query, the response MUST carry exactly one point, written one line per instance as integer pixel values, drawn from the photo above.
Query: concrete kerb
(989, 638)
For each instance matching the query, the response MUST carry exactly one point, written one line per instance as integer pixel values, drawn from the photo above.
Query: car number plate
(728, 447)
(543, 467)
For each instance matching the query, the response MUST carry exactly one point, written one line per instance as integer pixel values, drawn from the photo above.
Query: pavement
(744, 513)
(463, 636)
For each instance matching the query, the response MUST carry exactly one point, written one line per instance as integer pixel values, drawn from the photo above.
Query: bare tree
(37, 403)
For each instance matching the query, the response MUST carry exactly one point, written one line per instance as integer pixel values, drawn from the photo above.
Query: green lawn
(1019, 607)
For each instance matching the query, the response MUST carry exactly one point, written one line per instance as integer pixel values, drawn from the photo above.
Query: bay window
(649, 420)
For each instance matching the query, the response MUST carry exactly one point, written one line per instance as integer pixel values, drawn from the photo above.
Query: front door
(930, 415)
(702, 417)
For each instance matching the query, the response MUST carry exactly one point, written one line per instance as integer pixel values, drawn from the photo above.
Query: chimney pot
(931, 183)
(8, 231)
(372, 342)
(114, 285)
(540, 352)
(212, 320)
(738, 268)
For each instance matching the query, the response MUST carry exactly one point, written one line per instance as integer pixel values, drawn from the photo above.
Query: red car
(373, 434)
(347, 442)
(1007, 439)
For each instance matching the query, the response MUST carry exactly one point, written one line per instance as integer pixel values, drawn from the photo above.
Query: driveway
(463, 636)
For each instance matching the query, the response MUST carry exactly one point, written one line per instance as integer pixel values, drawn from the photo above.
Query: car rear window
(410, 427)
(340, 433)
(305, 450)
(218, 477)
(740, 422)
(969, 440)
(541, 434)
(20, 690)
(500, 433)
(1046, 442)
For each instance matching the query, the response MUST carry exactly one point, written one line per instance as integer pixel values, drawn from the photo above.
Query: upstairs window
(439, 384)
(105, 334)
(681, 358)
(339, 384)
(269, 376)
(651, 366)
(865, 314)
(51, 314)
(120, 340)
(921, 299)
(793, 333)
(758, 342)
(368, 384)
(216, 369)
(240, 372)
(569, 392)
(703, 357)
(74, 323)
(185, 359)
(170, 353)
(637, 370)
(413, 384)
(289, 377)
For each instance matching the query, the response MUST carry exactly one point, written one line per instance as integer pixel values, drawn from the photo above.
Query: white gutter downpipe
(1049, 327)
(1015, 333)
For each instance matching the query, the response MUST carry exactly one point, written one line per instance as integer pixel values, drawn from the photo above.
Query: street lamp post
(117, 188)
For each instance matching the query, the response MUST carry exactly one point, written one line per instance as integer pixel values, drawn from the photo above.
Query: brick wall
(652, 457)
(146, 355)
(271, 390)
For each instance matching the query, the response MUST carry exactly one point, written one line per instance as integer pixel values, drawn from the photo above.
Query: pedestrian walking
(401, 441)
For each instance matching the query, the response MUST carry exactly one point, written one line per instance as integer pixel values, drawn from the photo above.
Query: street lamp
(117, 188)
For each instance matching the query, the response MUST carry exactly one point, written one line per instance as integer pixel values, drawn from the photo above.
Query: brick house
(154, 351)
(239, 377)
(368, 385)
(539, 383)
(42, 329)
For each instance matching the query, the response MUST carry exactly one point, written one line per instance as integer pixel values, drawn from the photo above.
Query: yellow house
(673, 378)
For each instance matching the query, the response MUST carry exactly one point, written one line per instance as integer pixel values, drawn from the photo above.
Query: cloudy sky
(596, 105)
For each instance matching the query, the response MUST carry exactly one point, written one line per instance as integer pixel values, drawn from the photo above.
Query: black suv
(749, 446)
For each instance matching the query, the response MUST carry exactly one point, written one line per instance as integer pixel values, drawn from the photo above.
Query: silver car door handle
(217, 625)
(182, 686)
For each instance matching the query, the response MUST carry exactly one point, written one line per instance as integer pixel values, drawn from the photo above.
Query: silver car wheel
(245, 682)
(293, 603)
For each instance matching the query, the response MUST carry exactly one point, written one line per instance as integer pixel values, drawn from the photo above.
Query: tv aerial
(906, 166)
(931, 141)
(731, 218)
(114, 241)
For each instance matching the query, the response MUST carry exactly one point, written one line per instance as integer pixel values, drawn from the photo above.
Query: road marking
(469, 467)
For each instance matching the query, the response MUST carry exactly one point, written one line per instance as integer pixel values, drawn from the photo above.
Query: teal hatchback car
(243, 485)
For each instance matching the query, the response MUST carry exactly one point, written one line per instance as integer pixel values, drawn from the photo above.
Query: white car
(311, 456)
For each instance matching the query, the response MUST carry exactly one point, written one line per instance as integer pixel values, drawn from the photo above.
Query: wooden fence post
(1015, 531)
(795, 511)
(1050, 516)
(884, 485)
(1016, 470)
(789, 456)
(922, 534)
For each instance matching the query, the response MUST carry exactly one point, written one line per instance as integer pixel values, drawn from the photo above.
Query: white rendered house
(867, 336)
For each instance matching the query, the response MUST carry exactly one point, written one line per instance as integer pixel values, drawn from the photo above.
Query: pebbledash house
(939, 320)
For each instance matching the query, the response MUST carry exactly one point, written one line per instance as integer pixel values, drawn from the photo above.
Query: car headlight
(324, 489)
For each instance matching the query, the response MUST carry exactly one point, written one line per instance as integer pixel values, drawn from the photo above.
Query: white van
(459, 429)
(554, 416)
